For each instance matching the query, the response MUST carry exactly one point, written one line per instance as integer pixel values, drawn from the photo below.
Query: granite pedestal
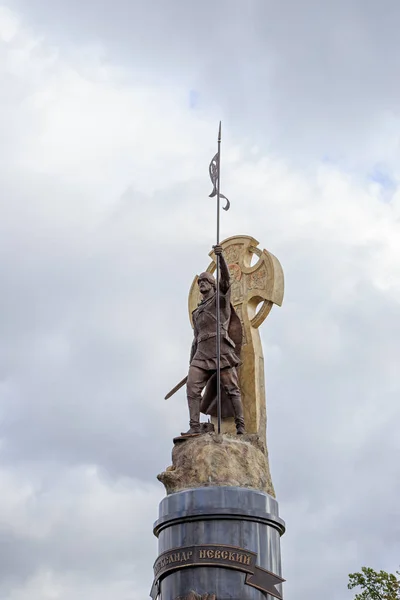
(218, 540)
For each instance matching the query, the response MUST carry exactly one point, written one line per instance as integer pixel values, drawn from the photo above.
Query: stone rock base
(218, 460)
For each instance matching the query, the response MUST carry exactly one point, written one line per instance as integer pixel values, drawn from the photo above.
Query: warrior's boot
(231, 387)
(194, 414)
(238, 411)
(240, 430)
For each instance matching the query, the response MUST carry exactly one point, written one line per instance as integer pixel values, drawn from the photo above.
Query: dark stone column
(218, 517)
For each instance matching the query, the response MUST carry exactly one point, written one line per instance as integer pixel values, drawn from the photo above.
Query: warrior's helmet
(206, 275)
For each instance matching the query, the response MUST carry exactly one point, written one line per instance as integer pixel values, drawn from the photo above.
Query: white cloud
(9, 24)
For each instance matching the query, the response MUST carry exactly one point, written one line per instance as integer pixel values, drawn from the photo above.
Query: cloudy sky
(108, 120)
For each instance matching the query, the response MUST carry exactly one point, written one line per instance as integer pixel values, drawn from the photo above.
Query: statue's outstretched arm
(225, 281)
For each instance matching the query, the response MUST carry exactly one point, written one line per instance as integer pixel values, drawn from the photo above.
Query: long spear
(215, 176)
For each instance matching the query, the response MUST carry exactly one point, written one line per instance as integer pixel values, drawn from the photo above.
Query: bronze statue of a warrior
(203, 357)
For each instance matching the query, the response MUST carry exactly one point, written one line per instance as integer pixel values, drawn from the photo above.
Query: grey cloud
(75, 523)
(308, 80)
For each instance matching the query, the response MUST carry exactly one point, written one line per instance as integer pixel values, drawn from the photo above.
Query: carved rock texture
(213, 459)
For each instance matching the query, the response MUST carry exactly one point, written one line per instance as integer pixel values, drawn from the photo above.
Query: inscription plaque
(215, 555)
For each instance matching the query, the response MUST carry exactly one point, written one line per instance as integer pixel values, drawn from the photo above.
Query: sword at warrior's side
(176, 388)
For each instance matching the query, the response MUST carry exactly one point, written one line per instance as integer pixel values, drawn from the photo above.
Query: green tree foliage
(375, 585)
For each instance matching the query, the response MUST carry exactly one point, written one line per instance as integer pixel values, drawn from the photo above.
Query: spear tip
(219, 132)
